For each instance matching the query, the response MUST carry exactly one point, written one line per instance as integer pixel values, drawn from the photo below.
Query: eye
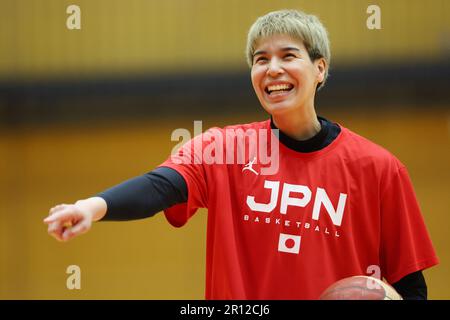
(289, 55)
(260, 59)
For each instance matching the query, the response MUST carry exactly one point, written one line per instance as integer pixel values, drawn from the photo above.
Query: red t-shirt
(322, 216)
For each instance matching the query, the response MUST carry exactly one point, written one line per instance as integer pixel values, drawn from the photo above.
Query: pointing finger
(56, 209)
(65, 214)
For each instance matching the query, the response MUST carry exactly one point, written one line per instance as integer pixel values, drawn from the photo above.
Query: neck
(302, 125)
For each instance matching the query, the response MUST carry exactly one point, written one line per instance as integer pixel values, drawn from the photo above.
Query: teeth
(279, 87)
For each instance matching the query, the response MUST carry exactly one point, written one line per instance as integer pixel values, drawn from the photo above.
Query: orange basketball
(360, 288)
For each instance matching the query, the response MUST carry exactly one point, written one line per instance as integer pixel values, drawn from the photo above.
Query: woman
(333, 206)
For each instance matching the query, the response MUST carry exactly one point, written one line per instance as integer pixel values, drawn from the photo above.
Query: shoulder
(361, 149)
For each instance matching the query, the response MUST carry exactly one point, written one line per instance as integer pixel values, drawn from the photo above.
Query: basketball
(360, 288)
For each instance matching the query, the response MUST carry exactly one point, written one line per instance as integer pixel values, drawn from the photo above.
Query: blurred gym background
(82, 110)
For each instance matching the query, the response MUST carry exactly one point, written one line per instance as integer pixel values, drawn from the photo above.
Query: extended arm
(136, 198)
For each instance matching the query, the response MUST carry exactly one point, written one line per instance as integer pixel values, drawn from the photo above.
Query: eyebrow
(282, 49)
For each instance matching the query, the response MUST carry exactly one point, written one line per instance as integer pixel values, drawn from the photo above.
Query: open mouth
(278, 88)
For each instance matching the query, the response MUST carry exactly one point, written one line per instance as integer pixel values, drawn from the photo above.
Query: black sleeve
(143, 196)
(412, 286)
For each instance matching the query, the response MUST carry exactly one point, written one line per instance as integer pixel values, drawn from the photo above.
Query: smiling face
(283, 75)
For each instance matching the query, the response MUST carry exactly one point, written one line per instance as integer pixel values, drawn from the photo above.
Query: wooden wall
(140, 36)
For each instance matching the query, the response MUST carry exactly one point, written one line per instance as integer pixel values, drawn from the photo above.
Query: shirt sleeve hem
(186, 207)
(420, 265)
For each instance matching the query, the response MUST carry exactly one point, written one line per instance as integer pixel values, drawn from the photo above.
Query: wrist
(95, 207)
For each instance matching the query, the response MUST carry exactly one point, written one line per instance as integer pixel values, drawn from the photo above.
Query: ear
(321, 66)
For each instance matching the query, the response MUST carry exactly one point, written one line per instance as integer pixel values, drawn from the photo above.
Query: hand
(66, 221)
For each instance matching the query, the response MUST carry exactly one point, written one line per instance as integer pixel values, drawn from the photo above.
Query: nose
(274, 68)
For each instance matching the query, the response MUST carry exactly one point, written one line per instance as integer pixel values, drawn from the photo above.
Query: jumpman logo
(249, 166)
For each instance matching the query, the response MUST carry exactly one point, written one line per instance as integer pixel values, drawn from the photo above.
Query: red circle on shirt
(289, 243)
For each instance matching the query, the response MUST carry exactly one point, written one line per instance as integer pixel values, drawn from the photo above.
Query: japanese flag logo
(289, 243)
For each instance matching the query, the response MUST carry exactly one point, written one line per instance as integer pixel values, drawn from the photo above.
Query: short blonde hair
(296, 24)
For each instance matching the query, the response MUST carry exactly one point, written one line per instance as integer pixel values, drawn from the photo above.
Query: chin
(279, 108)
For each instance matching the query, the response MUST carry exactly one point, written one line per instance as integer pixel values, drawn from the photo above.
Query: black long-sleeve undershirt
(144, 196)
(412, 286)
